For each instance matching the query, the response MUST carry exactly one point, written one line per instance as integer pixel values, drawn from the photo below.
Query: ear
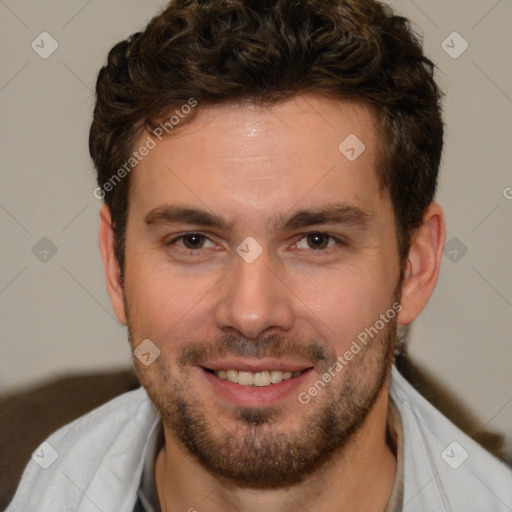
(423, 264)
(110, 264)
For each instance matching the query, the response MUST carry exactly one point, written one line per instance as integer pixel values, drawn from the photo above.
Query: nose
(254, 298)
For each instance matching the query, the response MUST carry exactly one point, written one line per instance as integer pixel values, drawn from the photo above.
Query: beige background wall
(55, 315)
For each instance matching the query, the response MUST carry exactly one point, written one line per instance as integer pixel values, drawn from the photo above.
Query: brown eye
(193, 241)
(318, 241)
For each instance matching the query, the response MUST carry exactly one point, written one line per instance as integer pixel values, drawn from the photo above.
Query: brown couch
(28, 418)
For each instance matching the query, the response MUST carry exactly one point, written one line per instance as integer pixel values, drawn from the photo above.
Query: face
(256, 254)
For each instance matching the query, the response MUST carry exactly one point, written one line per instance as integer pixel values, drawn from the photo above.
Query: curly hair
(266, 51)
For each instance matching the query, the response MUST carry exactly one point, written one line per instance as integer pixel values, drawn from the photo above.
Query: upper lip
(255, 365)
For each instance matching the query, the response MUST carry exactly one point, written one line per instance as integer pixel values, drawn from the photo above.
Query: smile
(255, 382)
(258, 379)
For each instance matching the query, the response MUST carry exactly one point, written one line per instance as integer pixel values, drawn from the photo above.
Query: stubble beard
(255, 453)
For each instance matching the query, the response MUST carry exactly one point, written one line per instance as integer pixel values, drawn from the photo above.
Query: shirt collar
(147, 493)
(394, 434)
(148, 496)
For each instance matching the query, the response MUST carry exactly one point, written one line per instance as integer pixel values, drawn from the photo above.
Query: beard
(254, 452)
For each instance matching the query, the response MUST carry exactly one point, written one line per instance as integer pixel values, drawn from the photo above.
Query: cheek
(165, 303)
(349, 300)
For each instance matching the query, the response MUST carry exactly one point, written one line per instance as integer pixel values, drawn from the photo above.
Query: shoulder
(442, 465)
(97, 456)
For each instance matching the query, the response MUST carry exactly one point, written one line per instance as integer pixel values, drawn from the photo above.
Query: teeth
(276, 376)
(260, 379)
(245, 379)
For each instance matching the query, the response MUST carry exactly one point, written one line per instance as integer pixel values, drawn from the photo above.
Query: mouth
(259, 379)
(255, 383)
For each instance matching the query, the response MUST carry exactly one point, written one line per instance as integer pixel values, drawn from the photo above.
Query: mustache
(270, 346)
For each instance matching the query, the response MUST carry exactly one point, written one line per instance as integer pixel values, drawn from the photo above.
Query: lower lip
(255, 396)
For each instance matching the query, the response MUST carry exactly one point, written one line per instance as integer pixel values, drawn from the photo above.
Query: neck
(358, 479)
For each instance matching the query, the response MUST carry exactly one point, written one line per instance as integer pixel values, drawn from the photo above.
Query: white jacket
(95, 463)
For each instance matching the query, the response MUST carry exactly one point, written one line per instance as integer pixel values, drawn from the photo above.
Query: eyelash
(324, 251)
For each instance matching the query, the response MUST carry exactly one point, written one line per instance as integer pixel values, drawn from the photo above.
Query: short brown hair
(219, 51)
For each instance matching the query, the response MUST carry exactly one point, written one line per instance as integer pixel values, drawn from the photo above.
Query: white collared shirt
(96, 462)
(147, 493)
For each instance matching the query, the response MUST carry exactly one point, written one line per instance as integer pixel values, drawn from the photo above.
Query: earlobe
(111, 265)
(423, 264)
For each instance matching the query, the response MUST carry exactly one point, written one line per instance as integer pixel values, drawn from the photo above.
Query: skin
(252, 165)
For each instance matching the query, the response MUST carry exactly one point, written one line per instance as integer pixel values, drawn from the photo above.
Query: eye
(190, 241)
(317, 241)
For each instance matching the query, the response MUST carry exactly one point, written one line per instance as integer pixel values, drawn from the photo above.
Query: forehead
(253, 157)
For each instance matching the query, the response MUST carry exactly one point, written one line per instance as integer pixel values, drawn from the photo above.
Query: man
(268, 171)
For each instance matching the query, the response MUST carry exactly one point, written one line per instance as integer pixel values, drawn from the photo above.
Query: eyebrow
(335, 213)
